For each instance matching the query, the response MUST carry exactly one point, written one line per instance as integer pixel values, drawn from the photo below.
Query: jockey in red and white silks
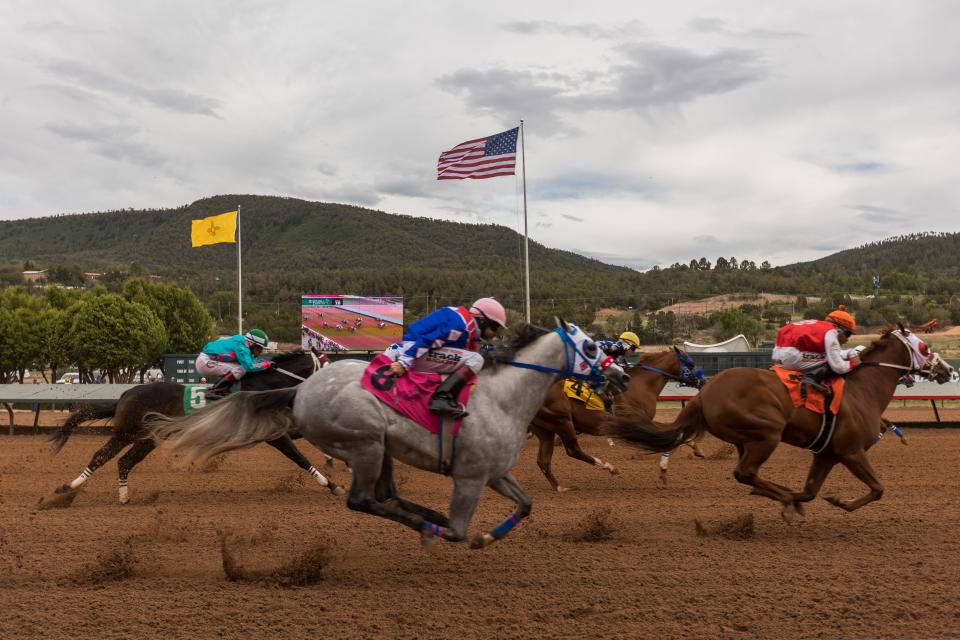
(809, 344)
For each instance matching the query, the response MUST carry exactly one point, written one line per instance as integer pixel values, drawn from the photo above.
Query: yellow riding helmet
(630, 338)
(841, 318)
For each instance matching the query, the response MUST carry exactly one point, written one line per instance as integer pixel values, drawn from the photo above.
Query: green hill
(278, 234)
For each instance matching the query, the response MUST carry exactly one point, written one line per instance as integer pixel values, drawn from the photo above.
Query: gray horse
(333, 411)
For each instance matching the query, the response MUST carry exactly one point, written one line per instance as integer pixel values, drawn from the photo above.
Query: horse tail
(240, 420)
(638, 429)
(85, 413)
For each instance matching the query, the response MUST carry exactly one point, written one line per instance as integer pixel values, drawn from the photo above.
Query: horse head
(584, 356)
(690, 374)
(901, 349)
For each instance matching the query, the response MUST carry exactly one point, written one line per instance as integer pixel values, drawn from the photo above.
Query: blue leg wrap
(505, 527)
(896, 430)
(435, 529)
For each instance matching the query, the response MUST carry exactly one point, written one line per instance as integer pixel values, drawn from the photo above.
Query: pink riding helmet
(490, 309)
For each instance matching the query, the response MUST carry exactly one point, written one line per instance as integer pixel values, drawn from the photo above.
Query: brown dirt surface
(618, 557)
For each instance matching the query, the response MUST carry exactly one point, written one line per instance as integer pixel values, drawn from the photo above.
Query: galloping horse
(565, 417)
(751, 409)
(334, 412)
(288, 369)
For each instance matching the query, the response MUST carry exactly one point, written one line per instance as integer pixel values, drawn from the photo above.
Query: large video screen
(350, 323)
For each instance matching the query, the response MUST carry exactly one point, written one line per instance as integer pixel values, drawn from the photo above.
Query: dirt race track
(619, 557)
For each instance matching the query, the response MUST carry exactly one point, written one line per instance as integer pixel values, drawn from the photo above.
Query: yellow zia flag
(214, 230)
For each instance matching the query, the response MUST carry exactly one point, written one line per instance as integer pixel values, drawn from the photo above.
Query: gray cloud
(640, 264)
(160, 97)
(870, 213)
(415, 187)
(706, 238)
(570, 217)
(114, 142)
(585, 29)
(648, 75)
(860, 167)
(715, 25)
(569, 186)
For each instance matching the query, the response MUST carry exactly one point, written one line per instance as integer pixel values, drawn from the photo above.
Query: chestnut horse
(565, 417)
(751, 409)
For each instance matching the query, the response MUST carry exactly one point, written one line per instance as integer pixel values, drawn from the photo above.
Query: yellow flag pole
(239, 279)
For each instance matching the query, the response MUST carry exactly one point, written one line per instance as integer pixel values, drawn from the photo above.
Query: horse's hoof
(64, 488)
(612, 469)
(791, 514)
(427, 540)
(328, 467)
(336, 489)
(835, 501)
(663, 477)
(903, 440)
(610, 441)
(481, 540)
(697, 453)
(564, 489)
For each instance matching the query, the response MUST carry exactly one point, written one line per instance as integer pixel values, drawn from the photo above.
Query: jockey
(232, 358)
(625, 345)
(813, 347)
(446, 341)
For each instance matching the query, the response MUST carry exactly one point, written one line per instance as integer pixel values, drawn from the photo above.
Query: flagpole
(239, 278)
(526, 238)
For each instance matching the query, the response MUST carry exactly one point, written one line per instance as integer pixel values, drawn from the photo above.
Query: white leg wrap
(318, 476)
(80, 479)
(123, 492)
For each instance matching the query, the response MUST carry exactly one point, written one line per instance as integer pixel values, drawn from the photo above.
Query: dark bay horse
(751, 409)
(565, 417)
(288, 370)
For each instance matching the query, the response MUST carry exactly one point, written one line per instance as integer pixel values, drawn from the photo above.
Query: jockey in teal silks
(232, 358)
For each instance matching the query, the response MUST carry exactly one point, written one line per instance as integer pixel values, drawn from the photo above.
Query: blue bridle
(690, 374)
(570, 348)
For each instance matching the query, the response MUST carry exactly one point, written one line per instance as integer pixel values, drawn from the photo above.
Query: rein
(316, 366)
(927, 372)
(568, 348)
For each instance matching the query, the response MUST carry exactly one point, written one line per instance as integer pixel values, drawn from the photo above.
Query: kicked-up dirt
(247, 550)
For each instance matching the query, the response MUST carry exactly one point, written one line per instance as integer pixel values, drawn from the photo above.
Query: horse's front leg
(819, 470)
(859, 466)
(466, 497)
(508, 487)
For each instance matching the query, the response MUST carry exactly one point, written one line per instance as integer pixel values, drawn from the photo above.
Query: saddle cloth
(580, 390)
(815, 397)
(409, 395)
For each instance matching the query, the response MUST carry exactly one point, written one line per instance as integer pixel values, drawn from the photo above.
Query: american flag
(488, 157)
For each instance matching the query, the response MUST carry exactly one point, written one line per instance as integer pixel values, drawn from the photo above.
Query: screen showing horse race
(350, 323)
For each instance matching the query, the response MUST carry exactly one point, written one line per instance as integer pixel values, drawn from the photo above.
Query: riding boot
(814, 378)
(222, 387)
(444, 400)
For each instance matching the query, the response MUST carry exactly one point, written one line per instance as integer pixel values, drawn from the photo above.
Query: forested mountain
(293, 247)
(279, 234)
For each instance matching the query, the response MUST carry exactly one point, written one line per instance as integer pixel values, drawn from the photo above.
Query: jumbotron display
(350, 323)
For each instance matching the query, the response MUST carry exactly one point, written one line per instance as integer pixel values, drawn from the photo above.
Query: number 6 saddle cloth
(815, 399)
(409, 395)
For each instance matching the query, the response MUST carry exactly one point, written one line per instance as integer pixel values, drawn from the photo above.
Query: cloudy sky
(654, 133)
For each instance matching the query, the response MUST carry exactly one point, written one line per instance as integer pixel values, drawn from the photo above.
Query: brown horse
(565, 417)
(751, 409)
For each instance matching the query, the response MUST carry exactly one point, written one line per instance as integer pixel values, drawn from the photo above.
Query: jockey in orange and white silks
(814, 346)
(448, 341)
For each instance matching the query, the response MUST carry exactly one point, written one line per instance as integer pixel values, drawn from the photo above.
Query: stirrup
(449, 407)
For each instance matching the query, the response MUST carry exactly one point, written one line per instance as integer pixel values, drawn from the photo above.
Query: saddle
(811, 395)
(409, 395)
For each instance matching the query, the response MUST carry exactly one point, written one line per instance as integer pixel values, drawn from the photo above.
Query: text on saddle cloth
(815, 400)
(579, 390)
(409, 395)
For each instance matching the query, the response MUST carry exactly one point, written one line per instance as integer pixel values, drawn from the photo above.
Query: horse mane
(521, 335)
(286, 356)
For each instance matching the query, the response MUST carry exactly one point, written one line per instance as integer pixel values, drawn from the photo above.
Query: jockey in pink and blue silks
(232, 358)
(448, 341)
